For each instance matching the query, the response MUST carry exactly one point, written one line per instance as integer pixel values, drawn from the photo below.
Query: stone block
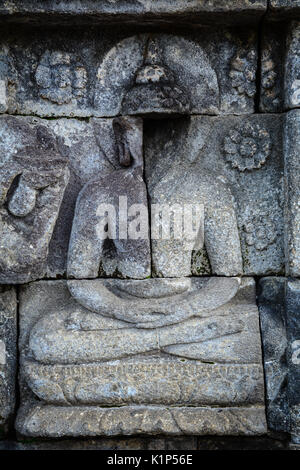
(8, 357)
(292, 172)
(33, 177)
(279, 316)
(234, 168)
(271, 301)
(292, 67)
(171, 148)
(141, 366)
(131, 11)
(48, 421)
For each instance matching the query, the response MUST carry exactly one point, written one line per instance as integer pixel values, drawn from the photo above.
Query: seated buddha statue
(114, 318)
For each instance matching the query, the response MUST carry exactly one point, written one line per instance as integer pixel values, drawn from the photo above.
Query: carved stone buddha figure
(186, 303)
(150, 333)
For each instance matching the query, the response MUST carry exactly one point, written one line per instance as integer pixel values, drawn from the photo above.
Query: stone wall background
(260, 44)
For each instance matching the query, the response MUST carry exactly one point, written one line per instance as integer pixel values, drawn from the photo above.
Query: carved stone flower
(260, 231)
(60, 77)
(248, 147)
(242, 73)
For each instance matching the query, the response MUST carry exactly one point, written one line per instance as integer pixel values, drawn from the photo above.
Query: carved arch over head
(165, 74)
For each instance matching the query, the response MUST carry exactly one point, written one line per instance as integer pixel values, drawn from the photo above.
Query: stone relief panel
(235, 164)
(203, 72)
(176, 154)
(33, 177)
(293, 355)
(110, 342)
(150, 335)
(271, 301)
(280, 67)
(8, 356)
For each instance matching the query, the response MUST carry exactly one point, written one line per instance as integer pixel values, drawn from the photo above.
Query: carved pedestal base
(156, 356)
(55, 421)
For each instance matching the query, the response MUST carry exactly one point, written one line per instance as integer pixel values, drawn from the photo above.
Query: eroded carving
(89, 250)
(33, 178)
(270, 78)
(8, 355)
(158, 69)
(247, 148)
(116, 320)
(60, 78)
(260, 231)
(143, 340)
(243, 71)
(155, 90)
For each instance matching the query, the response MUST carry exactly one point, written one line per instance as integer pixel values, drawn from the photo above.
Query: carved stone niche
(159, 351)
(143, 345)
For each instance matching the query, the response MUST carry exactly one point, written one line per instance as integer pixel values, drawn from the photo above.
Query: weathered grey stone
(211, 72)
(271, 301)
(93, 153)
(76, 324)
(33, 177)
(151, 335)
(272, 73)
(51, 421)
(169, 85)
(279, 312)
(292, 169)
(8, 356)
(160, 305)
(210, 160)
(292, 67)
(293, 355)
(118, 356)
(141, 11)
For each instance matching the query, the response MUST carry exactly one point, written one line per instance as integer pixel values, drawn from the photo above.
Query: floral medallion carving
(260, 231)
(247, 147)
